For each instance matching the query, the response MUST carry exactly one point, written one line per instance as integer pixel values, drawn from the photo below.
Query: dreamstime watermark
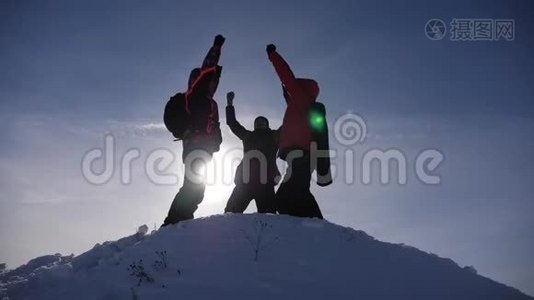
(349, 131)
(471, 29)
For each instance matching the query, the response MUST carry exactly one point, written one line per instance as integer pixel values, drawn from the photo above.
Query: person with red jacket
(202, 137)
(293, 197)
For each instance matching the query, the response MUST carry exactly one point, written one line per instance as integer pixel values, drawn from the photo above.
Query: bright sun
(219, 180)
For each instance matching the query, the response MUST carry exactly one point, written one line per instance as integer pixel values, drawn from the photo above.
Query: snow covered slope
(250, 256)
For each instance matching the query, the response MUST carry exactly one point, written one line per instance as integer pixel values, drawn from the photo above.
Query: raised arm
(202, 83)
(214, 54)
(281, 67)
(238, 129)
(210, 69)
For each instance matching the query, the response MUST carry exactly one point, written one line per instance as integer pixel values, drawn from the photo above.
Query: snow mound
(250, 256)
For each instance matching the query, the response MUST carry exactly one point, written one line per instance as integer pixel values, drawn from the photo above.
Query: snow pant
(293, 197)
(242, 194)
(186, 201)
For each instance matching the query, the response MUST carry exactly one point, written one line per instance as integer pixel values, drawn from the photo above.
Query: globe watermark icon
(349, 132)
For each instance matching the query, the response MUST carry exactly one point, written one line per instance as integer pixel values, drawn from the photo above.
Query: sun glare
(219, 180)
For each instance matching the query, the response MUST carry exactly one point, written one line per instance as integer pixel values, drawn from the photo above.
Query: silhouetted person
(257, 173)
(293, 197)
(203, 135)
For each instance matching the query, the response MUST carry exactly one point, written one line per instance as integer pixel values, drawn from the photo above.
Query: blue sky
(73, 71)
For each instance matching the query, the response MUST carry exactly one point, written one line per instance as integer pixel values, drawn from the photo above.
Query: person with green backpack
(303, 134)
(193, 118)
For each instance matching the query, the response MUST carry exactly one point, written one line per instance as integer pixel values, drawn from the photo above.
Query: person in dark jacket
(293, 197)
(202, 137)
(257, 174)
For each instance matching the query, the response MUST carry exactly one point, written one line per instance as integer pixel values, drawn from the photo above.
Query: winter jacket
(204, 129)
(300, 94)
(260, 142)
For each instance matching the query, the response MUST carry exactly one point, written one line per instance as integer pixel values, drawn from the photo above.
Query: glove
(219, 40)
(230, 98)
(271, 48)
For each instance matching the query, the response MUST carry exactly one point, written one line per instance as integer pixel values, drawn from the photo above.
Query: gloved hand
(230, 98)
(271, 48)
(219, 40)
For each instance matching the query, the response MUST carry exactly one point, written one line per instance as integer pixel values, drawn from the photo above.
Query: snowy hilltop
(250, 257)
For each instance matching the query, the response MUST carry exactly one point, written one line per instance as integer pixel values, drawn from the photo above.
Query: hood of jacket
(310, 86)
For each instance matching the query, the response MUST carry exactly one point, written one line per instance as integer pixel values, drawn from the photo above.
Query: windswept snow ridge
(255, 256)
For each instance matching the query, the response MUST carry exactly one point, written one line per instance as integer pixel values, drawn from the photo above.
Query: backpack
(176, 115)
(319, 128)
